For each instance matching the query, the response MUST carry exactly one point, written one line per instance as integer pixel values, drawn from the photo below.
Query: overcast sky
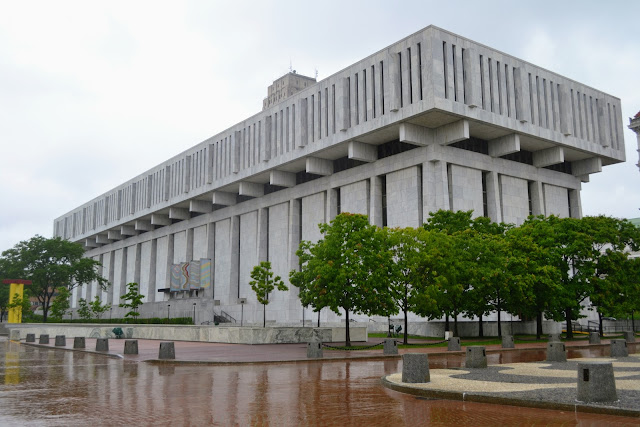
(95, 93)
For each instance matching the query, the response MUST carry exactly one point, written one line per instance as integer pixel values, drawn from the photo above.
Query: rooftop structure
(286, 86)
(434, 121)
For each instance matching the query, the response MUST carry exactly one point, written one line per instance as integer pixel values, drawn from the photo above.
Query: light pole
(168, 315)
(194, 313)
(242, 302)
(110, 313)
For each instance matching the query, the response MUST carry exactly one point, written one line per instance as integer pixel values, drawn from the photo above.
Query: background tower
(634, 125)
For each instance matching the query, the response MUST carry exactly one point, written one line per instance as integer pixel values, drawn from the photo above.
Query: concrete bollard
(554, 338)
(556, 352)
(629, 336)
(102, 344)
(314, 349)
(79, 342)
(508, 341)
(596, 382)
(31, 338)
(390, 346)
(131, 347)
(454, 344)
(14, 335)
(619, 348)
(415, 368)
(594, 338)
(44, 339)
(61, 341)
(167, 350)
(476, 357)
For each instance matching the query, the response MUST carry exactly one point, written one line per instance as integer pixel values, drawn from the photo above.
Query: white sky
(95, 93)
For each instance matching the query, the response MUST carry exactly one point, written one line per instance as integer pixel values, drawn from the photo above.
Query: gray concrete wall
(514, 193)
(404, 198)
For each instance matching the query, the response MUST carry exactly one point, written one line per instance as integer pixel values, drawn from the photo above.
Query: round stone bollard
(554, 338)
(556, 352)
(629, 336)
(167, 350)
(508, 342)
(31, 337)
(14, 335)
(131, 347)
(61, 341)
(102, 344)
(594, 338)
(476, 357)
(44, 339)
(454, 344)
(79, 342)
(596, 382)
(390, 346)
(314, 349)
(415, 368)
(619, 348)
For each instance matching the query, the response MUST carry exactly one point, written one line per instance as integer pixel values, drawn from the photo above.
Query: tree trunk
(455, 325)
(264, 315)
(406, 324)
(319, 318)
(600, 329)
(567, 315)
(499, 323)
(480, 329)
(538, 325)
(633, 322)
(347, 335)
(446, 322)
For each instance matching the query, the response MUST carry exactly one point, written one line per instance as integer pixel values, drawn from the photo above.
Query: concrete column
(472, 81)
(234, 264)
(294, 232)
(209, 293)
(494, 204)
(537, 198)
(332, 205)
(123, 272)
(435, 187)
(153, 261)
(576, 205)
(136, 268)
(189, 245)
(566, 114)
(375, 210)
(302, 134)
(263, 234)
(169, 260)
(362, 107)
(521, 84)
(394, 81)
(342, 105)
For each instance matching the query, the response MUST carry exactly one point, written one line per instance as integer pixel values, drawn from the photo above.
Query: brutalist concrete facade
(435, 121)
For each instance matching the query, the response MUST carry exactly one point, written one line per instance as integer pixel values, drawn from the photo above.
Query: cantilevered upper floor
(432, 87)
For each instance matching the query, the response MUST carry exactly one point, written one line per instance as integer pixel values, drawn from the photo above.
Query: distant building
(434, 121)
(286, 86)
(634, 125)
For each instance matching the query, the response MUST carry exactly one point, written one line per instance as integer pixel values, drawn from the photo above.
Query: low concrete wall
(469, 328)
(221, 334)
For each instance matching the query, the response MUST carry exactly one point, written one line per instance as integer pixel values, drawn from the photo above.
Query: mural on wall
(192, 275)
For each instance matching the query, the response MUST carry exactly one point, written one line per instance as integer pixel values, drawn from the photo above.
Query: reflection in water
(54, 387)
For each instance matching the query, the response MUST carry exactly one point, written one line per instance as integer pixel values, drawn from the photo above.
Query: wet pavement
(44, 386)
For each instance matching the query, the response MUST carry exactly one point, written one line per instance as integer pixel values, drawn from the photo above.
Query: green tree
(97, 308)
(611, 238)
(133, 300)
(535, 276)
(263, 284)
(60, 304)
(83, 309)
(50, 264)
(413, 273)
(347, 269)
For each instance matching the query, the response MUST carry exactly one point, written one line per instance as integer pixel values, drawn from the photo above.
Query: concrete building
(286, 86)
(634, 125)
(434, 121)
